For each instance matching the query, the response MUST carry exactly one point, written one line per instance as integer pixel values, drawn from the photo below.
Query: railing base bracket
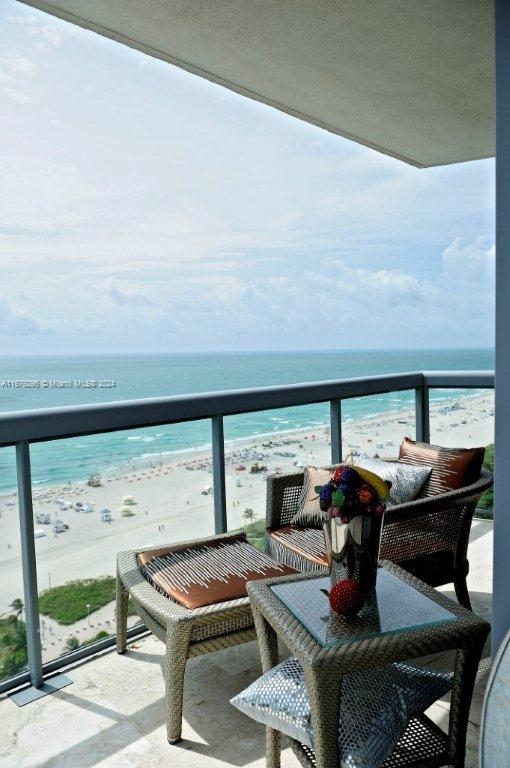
(27, 695)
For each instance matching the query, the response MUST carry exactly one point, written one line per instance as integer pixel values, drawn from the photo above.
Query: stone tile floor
(113, 713)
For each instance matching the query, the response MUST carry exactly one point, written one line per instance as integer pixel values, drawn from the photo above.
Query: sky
(143, 209)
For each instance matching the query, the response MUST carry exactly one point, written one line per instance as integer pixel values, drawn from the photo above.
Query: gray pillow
(406, 480)
(375, 707)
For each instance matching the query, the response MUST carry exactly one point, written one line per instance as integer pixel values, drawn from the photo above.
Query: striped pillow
(308, 513)
(452, 468)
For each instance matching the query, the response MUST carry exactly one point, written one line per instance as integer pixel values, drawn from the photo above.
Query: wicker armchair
(427, 537)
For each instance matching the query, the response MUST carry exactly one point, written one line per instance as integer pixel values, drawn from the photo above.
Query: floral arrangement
(353, 491)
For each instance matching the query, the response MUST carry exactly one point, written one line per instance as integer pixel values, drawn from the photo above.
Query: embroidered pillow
(406, 480)
(452, 468)
(376, 706)
(308, 513)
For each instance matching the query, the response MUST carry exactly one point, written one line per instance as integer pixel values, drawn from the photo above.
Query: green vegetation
(486, 502)
(72, 642)
(100, 636)
(256, 534)
(68, 603)
(13, 643)
(249, 515)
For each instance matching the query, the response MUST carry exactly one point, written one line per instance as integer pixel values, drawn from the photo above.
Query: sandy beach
(173, 500)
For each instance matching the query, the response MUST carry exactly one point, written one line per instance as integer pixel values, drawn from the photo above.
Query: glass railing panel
(376, 424)
(464, 418)
(95, 496)
(13, 651)
(268, 442)
(461, 418)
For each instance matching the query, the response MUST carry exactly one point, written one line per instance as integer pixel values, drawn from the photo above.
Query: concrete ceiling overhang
(410, 78)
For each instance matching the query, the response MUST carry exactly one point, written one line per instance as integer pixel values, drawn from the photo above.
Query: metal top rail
(74, 421)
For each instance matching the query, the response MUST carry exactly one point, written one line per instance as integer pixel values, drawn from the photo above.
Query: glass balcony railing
(57, 560)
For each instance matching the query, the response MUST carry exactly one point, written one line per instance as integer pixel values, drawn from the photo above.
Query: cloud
(16, 67)
(17, 95)
(19, 64)
(14, 323)
(335, 304)
(49, 37)
(130, 295)
(381, 286)
(469, 258)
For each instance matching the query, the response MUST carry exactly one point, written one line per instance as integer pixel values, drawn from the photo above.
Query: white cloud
(48, 35)
(16, 323)
(333, 305)
(15, 94)
(19, 64)
(229, 289)
(381, 286)
(469, 258)
(130, 295)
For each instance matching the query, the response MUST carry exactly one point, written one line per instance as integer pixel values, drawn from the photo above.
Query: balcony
(113, 713)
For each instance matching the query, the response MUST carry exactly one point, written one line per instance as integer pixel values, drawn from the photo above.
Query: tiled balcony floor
(113, 713)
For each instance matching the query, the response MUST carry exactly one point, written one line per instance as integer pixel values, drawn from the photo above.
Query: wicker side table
(423, 744)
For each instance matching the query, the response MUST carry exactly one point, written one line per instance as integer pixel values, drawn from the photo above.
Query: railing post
(29, 566)
(38, 687)
(335, 417)
(422, 414)
(218, 456)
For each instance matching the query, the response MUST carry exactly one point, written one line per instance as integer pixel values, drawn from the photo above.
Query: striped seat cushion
(307, 543)
(208, 572)
(452, 468)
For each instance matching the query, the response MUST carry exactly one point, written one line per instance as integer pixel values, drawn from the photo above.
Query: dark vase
(353, 550)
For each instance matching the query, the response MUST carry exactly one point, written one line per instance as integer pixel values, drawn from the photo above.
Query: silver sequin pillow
(376, 706)
(406, 480)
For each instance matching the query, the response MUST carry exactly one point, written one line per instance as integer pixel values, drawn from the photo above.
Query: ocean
(138, 376)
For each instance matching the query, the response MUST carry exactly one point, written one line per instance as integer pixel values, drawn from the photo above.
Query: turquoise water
(139, 376)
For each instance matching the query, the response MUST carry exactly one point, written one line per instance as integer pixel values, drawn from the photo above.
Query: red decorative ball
(345, 598)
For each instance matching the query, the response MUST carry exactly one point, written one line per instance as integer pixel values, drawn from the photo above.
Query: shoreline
(146, 460)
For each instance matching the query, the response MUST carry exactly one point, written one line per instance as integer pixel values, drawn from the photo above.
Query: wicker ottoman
(217, 567)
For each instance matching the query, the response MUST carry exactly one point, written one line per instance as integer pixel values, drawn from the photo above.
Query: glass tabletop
(395, 607)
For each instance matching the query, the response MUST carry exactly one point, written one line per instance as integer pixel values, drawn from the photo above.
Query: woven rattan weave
(423, 744)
